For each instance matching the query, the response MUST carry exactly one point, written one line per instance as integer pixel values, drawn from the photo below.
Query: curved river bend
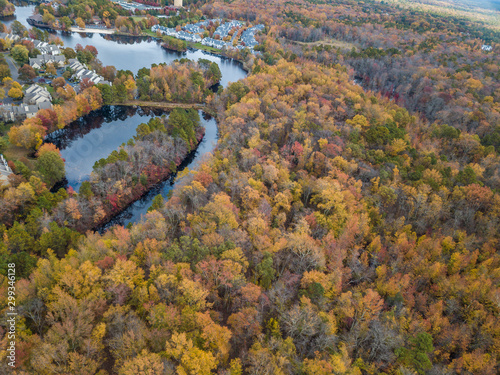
(134, 212)
(94, 136)
(133, 53)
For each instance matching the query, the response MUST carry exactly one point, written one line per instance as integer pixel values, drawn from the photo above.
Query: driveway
(13, 67)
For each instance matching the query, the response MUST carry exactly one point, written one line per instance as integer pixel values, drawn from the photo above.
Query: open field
(330, 42)
(15, 153)
(203, 47)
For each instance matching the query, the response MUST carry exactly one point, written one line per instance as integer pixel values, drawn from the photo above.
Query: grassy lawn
(190, 44)
(51, 90)
(148, 32)
(205, 48)
(15, 153)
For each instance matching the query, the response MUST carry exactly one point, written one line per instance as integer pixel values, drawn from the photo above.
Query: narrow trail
(141, 103)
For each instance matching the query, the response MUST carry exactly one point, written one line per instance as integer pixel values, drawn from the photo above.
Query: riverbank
(99, 37)
(119, 180)
(247, 65)
(139, 191)
(145, 33)
(135, 211)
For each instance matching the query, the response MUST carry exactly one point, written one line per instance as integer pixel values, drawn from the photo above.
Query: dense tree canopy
(346, 222)
(6, 8)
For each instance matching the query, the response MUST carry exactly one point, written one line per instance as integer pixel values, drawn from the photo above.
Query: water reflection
(137, 209)
(95, 136)
(133, 53)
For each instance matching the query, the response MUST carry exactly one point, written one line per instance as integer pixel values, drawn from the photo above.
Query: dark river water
(136, 210)
(95, 136)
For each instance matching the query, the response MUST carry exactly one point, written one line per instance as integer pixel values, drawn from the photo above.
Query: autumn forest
(347, 221)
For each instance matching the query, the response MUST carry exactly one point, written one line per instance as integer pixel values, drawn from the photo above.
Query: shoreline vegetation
(203, 75)
(7, 9)
(174, 44)
(103, 224)
(189, 45)
(123, 177)
(185, 126)
(345, 223)
(165, 144)
(246, 64)
(184, 86)
(166, 42)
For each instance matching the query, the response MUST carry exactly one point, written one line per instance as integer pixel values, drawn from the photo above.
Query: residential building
(191, 33)
(248, 36)
(11, 37)
(81, 72)
(41, 60)
(223, 30)
(219, 44)
(35, 98)
(10, 112)
(36, 94)
(194, 29)
(49, 53)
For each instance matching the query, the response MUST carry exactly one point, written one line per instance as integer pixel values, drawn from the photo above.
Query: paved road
(13, 67)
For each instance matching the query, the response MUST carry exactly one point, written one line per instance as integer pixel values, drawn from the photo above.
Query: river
(133, 53)
(94, 136)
